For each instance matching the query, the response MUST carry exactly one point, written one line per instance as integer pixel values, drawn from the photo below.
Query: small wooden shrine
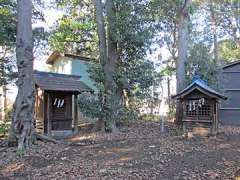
(56, 108)
(200, 106)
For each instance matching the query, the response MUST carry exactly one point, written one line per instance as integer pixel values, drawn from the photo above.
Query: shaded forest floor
(139, 151)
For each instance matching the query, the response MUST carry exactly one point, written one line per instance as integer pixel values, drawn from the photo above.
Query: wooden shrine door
(61, 111)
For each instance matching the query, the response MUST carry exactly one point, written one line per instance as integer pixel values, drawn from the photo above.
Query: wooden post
(162, 125)
(184, 109)
(44, 113)
(49, 114)
(214, 116)
(75, 113)
(217, 116)
(36, 109)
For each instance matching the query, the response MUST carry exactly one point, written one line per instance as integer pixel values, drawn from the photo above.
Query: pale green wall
(62, 65)
(66, 65)
(81, 68)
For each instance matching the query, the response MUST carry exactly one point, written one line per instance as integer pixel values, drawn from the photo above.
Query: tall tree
(183, 33)
(113, 59)
(22, 127)
(229, 18)
(108, 59)
(122, 50)
(102, 51)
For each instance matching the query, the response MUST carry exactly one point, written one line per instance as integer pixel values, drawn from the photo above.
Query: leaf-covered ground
(139, 151)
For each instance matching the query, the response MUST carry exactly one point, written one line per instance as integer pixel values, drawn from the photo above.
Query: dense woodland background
(200, 36)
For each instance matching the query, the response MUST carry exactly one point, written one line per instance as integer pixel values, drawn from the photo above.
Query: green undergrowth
(4, 128)
(154, 118)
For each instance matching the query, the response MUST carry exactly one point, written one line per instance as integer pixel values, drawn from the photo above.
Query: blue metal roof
(200, 85)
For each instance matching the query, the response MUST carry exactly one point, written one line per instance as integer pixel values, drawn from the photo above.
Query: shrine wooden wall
(39, 110)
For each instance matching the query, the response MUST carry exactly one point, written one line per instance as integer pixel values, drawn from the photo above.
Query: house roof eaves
(57, 54)
(231, 64)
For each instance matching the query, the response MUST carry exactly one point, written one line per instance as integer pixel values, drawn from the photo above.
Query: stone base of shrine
(61, 134)
(196, 128)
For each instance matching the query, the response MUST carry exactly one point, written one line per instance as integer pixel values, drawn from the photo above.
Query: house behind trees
(72, 65)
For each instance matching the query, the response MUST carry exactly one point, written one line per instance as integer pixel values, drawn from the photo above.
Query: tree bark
(182, 53)
(3, 83)
(214, 31)
(103, 57)
(169, 97)
(108, 59)
(4, 102)
(22, 127)
(115, 92)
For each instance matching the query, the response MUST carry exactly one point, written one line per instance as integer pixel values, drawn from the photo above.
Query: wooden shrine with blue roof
(200, 104)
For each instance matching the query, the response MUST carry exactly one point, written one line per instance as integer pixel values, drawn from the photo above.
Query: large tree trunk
(182, 54)
(108, 60)
(101, 32)
(23, 116)
(103, 55)
(115, 92)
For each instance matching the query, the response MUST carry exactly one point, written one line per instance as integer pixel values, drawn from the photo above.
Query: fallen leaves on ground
(138, 151)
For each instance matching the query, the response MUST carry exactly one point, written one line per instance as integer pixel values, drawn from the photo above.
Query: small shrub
(20, 153)
(8, 115)
(148, 117)
(127, 115)
(4, 128)
(178, 131)
(90, 105)
(5, 125)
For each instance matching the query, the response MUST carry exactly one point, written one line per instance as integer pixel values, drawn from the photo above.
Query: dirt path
(138, 152)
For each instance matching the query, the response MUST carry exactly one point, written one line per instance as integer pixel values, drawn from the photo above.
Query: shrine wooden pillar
(217, 117)
(49, 114)
(75, 116)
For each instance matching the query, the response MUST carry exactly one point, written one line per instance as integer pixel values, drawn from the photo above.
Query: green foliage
(75, 32)
(201, 64)
(136, 38)
(90, 105)
(5, 125)
(8, 114)
(96, 74)
(21, 153)
(140, 75)
(147, 117)
(229, 50)
(4, 128)
(134, 73)
(127, 114)
(7, 40)
(178, 131)
(7, 22)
